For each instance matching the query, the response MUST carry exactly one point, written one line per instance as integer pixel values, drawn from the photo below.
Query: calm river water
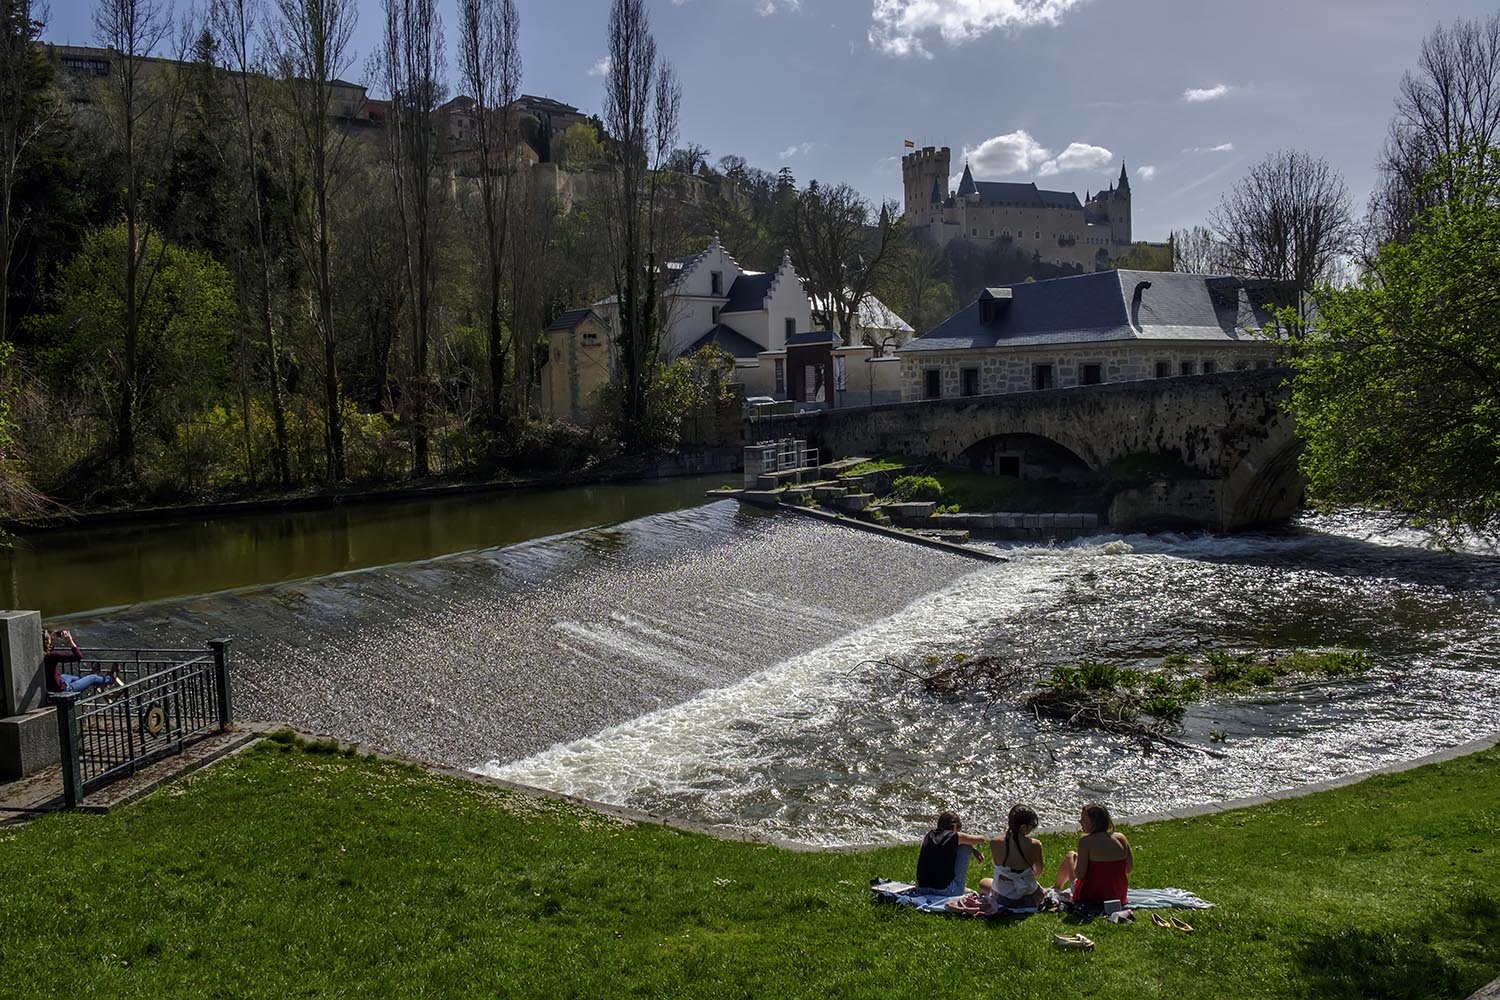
(718, 664)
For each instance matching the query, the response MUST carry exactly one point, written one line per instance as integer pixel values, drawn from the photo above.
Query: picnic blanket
(906, 894)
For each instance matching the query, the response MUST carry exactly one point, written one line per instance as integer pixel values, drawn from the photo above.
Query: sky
(1187, 94)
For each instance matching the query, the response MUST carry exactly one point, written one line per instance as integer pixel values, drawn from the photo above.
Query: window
(970, 380)
(716, 283)
(1163, 369)
(1187, 368)
(716, 315)
(1038, 234)
(1209, 367)
(974, 232)
(1091, 375)
(791, 327)
(1041, 377)
(781, 376)
(932, 384)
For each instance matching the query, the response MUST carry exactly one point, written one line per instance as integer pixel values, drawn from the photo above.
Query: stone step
(945, 535)
(910, 508)
(828, 494)
(855, 501)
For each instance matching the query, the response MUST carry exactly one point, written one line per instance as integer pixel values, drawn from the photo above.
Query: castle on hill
(1053, 225)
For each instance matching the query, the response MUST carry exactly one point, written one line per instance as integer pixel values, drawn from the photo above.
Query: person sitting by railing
(54, 658)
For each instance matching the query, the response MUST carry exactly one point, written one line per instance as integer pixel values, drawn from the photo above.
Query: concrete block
(1070, 520)
(22, 686)
(1031, 521)
(854, 501)
(1008, 520)
(1090, 520)
(828, 494)
(911, 508)
(28, 743)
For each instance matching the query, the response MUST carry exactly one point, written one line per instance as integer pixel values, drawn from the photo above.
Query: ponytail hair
(1020, 815)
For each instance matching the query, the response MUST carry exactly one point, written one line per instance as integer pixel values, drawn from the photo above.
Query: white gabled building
(712, 300)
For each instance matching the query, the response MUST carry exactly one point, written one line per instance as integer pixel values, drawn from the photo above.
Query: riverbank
(721, 462)
(296, 869)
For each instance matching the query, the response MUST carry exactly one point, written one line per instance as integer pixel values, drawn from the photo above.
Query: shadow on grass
(1445, 954)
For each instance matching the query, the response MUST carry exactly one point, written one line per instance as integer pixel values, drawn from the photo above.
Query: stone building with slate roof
(1109, 326)
(1054, 225)
(577, 366)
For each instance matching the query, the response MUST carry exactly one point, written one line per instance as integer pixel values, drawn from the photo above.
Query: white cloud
(765, 8)
(898, 25)
(797, 149)
(1013, 153)
(1223, 147)
(1018, 153)
(1078, 156)
(600, 68)
(1146, 173)
(1197, 95)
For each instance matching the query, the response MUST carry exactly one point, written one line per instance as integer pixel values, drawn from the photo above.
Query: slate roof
(1097, 308)
(570, 320)
(1025, 195)
(733, 341)
(814, 337)
(748, 293)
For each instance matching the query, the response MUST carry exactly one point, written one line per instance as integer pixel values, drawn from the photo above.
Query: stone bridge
(1226, 435)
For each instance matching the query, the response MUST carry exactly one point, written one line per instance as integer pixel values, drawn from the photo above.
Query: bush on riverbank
(282, 872)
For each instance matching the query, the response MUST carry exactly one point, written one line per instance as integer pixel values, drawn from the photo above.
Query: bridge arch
(1265, 486)
(1026, 455)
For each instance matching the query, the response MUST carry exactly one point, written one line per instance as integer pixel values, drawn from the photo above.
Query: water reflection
(68, 571)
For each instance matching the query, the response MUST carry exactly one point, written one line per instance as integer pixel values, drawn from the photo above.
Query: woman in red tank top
(1100, 868)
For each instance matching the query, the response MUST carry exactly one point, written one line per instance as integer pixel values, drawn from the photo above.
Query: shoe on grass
(1072, 942)
(1161, 921)
(1182, 925)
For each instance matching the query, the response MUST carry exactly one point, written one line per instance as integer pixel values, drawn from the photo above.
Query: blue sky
(1188, 93)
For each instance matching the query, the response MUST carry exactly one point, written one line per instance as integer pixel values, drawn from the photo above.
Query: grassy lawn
(287, 871)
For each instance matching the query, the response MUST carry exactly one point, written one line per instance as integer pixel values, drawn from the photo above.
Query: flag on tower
(908, 144)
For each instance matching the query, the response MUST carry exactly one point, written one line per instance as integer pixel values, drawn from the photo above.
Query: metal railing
(170, 698)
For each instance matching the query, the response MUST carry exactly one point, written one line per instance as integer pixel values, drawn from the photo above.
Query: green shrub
(908, 488)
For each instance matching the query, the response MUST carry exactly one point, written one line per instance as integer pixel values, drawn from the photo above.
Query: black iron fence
(168, 699)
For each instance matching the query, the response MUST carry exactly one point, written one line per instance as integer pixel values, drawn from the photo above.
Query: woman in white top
(1018, 862)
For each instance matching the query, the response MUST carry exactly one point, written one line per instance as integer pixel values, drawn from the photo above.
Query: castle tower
(924, 171)
(1119, 212)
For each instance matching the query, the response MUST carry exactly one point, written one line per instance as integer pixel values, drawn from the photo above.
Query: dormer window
(716, 286)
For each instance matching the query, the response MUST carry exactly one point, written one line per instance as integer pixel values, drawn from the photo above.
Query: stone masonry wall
(1011, 370)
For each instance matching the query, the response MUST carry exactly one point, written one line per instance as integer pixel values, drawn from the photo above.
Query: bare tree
(27, 111)
(141, 113)
(1196, 251)
(312, 50)
(1287, 219)
(235, 23)
(489, 58)
(642, 101)
(1447, 116)
(844, 248)
(413, 66)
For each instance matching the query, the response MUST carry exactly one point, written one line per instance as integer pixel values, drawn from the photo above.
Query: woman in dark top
(54, 658)
(943, 862)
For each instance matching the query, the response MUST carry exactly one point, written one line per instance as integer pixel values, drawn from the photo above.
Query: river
(722, 665)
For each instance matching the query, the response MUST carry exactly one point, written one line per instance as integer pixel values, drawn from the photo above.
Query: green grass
(290, 871)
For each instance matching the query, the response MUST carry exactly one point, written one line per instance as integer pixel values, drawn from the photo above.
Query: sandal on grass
(1161, 921)
(1072, 942)
(1182, 925)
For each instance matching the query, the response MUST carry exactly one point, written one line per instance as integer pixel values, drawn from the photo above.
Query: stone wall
(1012, 370)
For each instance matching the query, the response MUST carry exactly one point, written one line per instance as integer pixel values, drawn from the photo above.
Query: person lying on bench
(943, 862)
(53, 660)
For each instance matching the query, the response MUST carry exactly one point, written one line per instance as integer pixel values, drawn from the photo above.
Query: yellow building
(577, 367)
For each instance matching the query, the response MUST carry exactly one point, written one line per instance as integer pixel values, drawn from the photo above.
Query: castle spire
(966, 185)
(1124, 180)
